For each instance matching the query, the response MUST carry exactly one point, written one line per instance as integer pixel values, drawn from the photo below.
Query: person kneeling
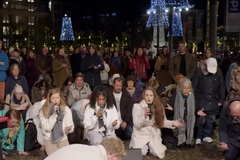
(14, 134)
(56, 121)
(109, 149)
(148, 118)
(101, 116)
(229, 129)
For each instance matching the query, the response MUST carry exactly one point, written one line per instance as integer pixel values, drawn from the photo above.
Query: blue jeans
(205, 129)
(233, 153)
(128, 132)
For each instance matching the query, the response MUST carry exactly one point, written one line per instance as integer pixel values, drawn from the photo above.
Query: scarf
(57, 132)
(18, 59)
(116, 62)
(184, 133)
(12, 132)
(102, 120)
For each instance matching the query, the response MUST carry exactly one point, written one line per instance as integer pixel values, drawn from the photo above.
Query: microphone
(57, 110)
(150, 107)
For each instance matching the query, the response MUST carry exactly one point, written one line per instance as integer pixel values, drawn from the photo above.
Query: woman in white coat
(56, 122)
(148, 119)
(100, 116)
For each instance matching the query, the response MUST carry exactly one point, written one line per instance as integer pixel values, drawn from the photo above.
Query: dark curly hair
(105, 92)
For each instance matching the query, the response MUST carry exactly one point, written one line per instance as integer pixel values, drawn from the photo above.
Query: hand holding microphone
(56, 108)
(147, 113)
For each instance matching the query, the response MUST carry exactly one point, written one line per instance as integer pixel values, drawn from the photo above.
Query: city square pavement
(202, 152)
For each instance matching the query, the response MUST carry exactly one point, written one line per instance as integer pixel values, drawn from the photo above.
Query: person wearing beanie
(209, 91)
(18, 100)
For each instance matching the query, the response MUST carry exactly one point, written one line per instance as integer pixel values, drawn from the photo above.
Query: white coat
(78, 151)
(33, 113)
(91, 121)
(145, 132)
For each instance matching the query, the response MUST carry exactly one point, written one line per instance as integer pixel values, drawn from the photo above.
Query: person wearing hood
(18, 100)
(209, 90)
(78, 90)
(91, 67)
(40, 90)
(109, 149)
(17, 59)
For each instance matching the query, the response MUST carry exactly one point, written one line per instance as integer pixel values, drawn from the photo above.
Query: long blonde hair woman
(56, 120)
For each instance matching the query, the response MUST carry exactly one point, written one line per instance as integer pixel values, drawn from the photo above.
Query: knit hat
(18, 89)
(11, 49)
(116, 75)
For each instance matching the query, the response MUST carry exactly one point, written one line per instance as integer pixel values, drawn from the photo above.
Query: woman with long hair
(56, 121)
(61, 68)
(148, 120)
(101, 116)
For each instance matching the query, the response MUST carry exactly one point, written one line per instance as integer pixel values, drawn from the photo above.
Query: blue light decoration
(67, 31)
(178, 6)
(157, 14)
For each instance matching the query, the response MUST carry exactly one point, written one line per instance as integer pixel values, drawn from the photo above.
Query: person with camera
(148, 120)
(13, 137)
(101, 116)
(56, 122)
(18, 100)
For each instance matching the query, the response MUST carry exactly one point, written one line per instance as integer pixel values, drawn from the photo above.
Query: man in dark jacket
(75, 61)
(209, 90)
(124, 104)
(229, 130)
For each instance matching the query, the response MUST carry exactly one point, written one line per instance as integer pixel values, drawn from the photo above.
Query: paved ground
(201, 152)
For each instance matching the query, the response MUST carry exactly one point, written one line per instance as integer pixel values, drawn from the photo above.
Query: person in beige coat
(61, 68)
(162, 66)
(104, 73)
(109, 149)
(148, 119)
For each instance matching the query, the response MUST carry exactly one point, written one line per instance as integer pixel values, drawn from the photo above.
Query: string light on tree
(67, 31)
(157, 14)
(178, 6)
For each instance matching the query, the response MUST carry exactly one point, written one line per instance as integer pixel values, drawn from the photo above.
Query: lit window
(18, 19)
(5, 18)
(50, 5)
(31, 1)
(31, 20)
(30, 8)
(6, 42)
(5, 30)
(19, 0)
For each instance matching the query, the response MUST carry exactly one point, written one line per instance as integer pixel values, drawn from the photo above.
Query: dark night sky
(198, 4)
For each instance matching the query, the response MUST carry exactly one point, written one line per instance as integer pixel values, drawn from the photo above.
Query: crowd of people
(92, 97)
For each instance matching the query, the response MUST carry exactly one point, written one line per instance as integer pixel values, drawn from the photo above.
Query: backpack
(31, 142)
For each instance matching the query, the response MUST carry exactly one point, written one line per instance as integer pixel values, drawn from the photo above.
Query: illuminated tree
(67, 30)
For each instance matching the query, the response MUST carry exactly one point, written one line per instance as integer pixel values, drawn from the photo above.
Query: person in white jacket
(104, 73)
(109, 149)
(148, 118)
(101, 116)
(56, 122)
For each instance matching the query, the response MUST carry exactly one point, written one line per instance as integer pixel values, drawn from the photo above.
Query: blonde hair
(152, 82)
(46, 106)
(114, 146)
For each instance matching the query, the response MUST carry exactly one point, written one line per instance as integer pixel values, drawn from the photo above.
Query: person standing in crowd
(78, 90)
(162, 67)
(61, 68)
(91, 67)
(126, 59)
(108, 149)
(76, 60)
(4, 64)
(17, 59)
(148, 119)
(229, 130)
(233, 84)
(31, 74)
(101, 116)
(56, 122)
(43, 63)
(209, 90)
(115, 64)
(104, 73)
(134, 90)
(13, 137)
(24, 54)
(140, 64)
(182, 62)
(15, 78)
